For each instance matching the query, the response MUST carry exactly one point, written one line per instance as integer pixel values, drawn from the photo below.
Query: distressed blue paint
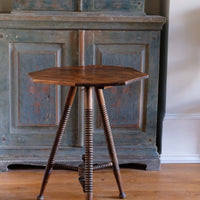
(123, 102)
(4, 94)
(16, 141)
(56, 5)
(131, 49)
(136, 6)
(119, 5)
(37, 102)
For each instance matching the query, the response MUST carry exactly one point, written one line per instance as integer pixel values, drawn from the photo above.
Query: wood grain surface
(93, 75)
(173, 182)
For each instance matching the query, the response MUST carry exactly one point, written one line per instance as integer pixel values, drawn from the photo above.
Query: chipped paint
(136, 6)
(57, 5)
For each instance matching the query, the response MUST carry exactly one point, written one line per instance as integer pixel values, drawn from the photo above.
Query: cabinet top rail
(81, 16)
(80, 21)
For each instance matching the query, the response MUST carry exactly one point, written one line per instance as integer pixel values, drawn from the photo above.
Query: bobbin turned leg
(110, 141)
(88, 144)
(59, 134)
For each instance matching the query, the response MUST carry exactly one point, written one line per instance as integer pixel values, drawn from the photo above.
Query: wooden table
(97, 77)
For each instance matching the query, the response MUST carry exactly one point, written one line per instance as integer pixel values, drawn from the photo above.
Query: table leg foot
(122, 195)
(57, 140)
(109, 139)
(40, 197)
(89, 196)
(81, 172)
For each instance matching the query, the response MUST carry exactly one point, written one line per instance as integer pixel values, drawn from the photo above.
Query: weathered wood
(82, 17)
(60, 31)
(67, 5)
(34, 139)
(81, 20)
(146, 155)
(42, 103)
(80, 136)
(42, 109)
(134, 6)
(133, 119)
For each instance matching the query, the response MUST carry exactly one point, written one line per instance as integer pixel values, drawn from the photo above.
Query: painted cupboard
(41, 34)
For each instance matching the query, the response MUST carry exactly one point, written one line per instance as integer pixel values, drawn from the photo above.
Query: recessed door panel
(35, 109)
(34, 104)
(125, 105)
(131, 108)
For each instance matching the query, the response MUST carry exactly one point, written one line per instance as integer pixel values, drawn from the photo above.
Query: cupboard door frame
(108, 47)
(57, 48)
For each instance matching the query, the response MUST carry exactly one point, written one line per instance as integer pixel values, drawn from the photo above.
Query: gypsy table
(97, 77)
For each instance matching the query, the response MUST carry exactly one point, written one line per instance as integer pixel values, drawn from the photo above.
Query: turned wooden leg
(88, 143)
(109, 140)
(59, 134)
(81, 173)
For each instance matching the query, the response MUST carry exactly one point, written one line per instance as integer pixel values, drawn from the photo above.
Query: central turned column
(88, 143)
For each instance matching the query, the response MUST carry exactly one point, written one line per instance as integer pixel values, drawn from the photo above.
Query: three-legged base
(86, 169)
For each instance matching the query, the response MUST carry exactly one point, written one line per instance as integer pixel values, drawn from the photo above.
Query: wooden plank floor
(173, 182)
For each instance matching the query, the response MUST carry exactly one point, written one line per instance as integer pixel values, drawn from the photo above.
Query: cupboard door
(132, 109)
(35, 109)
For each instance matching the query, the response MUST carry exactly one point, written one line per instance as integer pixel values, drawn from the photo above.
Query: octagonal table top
(92, 75)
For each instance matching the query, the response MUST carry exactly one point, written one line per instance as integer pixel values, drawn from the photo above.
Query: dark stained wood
(110, 141)
(88, 160)
(58, 138)
(94, 75)
(86, 169)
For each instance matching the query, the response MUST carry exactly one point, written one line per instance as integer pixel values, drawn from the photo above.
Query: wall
(181, 127)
